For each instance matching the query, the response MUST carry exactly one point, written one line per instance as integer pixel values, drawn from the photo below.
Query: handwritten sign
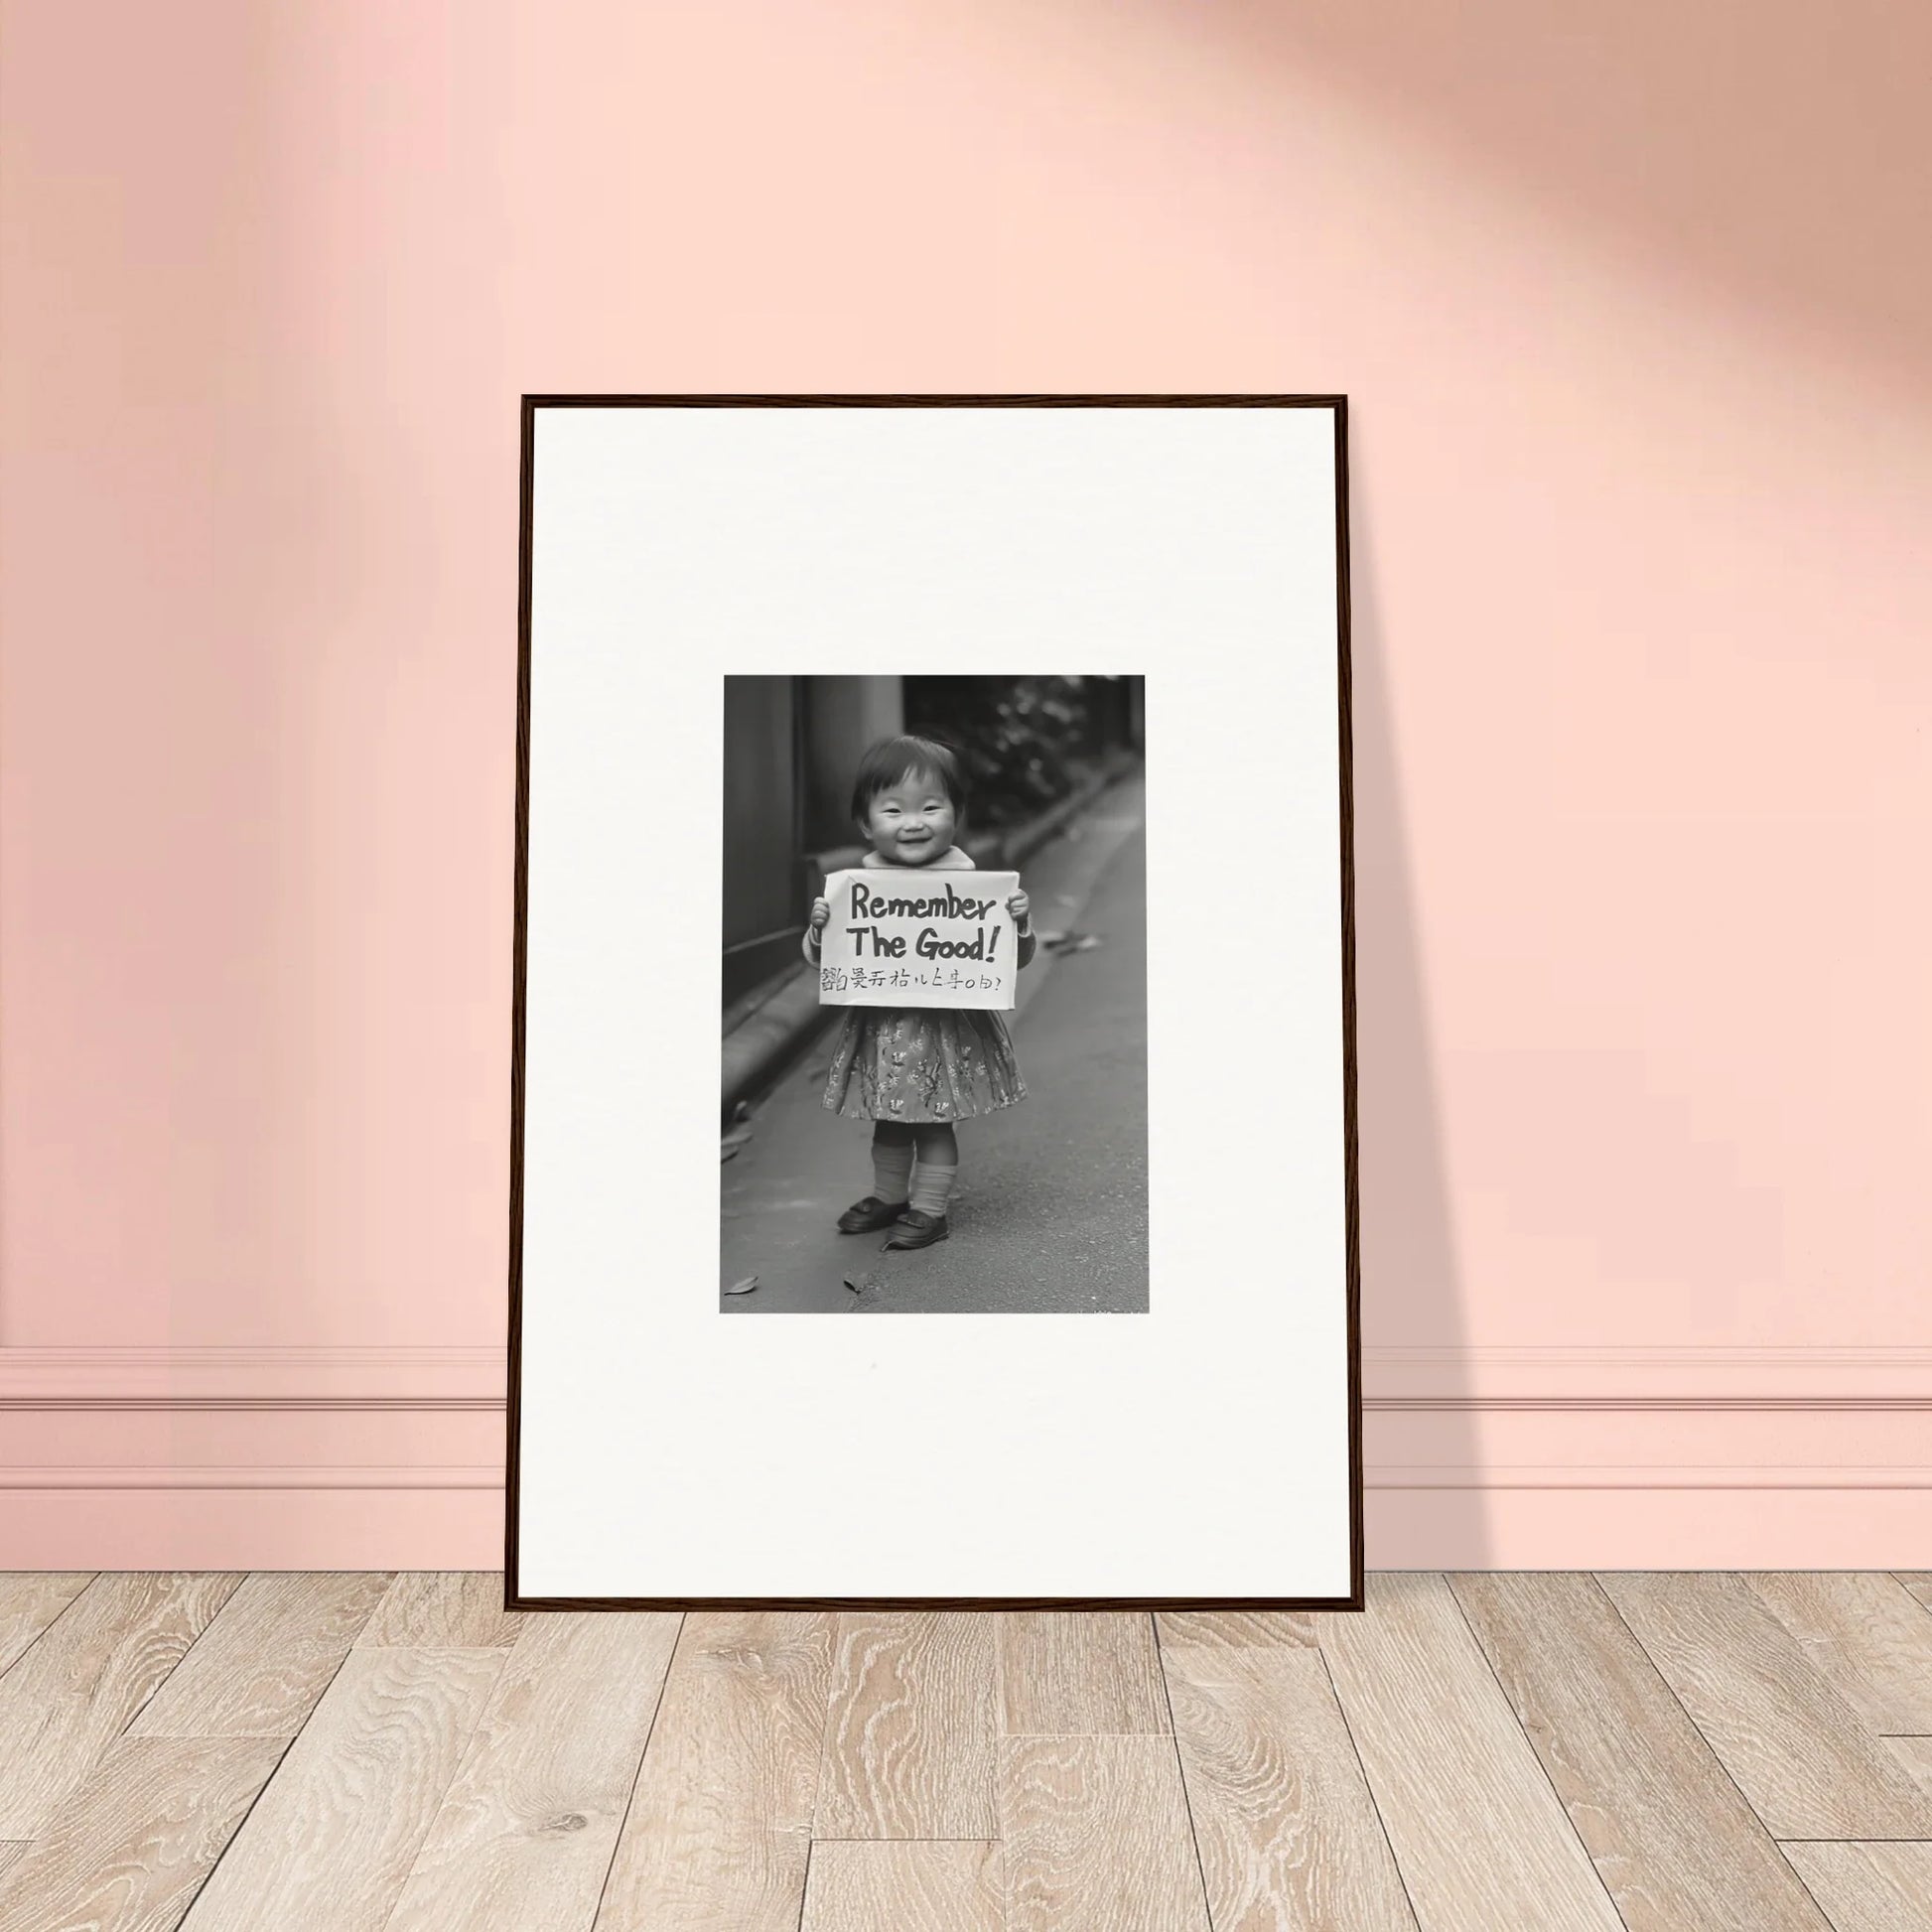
(902, 937)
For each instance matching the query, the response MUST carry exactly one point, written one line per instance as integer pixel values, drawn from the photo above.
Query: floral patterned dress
(921, 1064)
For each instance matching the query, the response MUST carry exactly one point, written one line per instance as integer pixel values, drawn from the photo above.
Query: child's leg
(891, 1170)
(892, 1160)
(939, 1149)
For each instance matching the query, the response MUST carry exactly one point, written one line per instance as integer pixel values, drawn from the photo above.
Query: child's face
(911, 822)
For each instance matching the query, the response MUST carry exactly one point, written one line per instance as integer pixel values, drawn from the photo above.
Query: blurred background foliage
(1025, 741)
(792, 744)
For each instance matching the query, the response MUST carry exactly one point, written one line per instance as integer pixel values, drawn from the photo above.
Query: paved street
(1050, 1212)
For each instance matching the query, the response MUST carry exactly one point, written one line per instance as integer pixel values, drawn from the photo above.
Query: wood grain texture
(1919, 1582)
(30, 1602)
(911, 1733)
(433, 1609)
(1869, 1887)
(1096, 1837)
(1286, 1831)
(258, 1668)
(1795, 1747)
(1236, 1629)
(330, 1840)
(130, 1848)
(1672, 1840)
(1915, 1754)
(1477, 1832)
(903, 1886)
(524, 1835)
(1865, 1635)
(75, 1690)
(720, 1822)
(1080, 1673)
(1505, 1722)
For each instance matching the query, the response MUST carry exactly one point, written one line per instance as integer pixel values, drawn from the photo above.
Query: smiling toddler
(915, 1070)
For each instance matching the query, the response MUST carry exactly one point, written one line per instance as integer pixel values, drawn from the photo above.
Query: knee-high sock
(892, 1168)
(932, 1186)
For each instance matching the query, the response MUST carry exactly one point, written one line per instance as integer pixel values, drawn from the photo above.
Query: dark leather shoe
(868, 1216)
(917, 1229)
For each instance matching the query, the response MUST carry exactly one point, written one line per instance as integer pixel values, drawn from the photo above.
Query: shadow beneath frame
(1420, 1448)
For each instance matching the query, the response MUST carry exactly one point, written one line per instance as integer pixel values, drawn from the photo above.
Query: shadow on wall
(1412, 1286)
(1779, 150)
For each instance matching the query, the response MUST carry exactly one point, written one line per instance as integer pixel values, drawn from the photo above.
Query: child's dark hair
(893, 759)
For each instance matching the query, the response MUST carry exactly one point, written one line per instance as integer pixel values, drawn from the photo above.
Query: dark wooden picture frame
(514, 1597)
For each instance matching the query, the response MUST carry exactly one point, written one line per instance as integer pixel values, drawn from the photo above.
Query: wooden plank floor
(1650, 1752)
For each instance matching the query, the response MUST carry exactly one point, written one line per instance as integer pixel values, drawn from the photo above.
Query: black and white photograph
(935, 986)
(979, 767)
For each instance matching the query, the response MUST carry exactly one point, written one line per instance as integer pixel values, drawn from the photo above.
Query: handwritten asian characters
(919, 939)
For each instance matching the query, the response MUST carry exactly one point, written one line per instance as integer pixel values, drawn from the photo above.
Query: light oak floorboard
(330, 1840)
(1919, 1582)
(1287, 1834)
(1236, 1629)
(1677, 1846)
(1915, 1754)
(1477, 1832)
(903, 1886)
(524, 1835)
(74, 1692)
(1866, 1636)
(1080, 1673)
(1794, 1746)
(720, 1822)
(1096, 1837)
(436, 1609)
(911, 1733)
(258, 1670)
(29, 1602)
(130, 1848)
(1869, 1888)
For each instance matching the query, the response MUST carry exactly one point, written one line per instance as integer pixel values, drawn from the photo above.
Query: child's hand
(1021, 906)
(821, 914)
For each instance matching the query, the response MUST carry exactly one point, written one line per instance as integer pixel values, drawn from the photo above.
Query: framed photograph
(982, 763)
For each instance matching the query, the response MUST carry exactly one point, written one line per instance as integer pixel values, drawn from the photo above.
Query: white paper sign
(904, 937)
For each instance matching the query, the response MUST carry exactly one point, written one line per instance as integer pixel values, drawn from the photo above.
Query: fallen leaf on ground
(745, 1286)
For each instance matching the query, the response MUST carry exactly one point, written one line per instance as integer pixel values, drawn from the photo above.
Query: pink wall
(1636, 315)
